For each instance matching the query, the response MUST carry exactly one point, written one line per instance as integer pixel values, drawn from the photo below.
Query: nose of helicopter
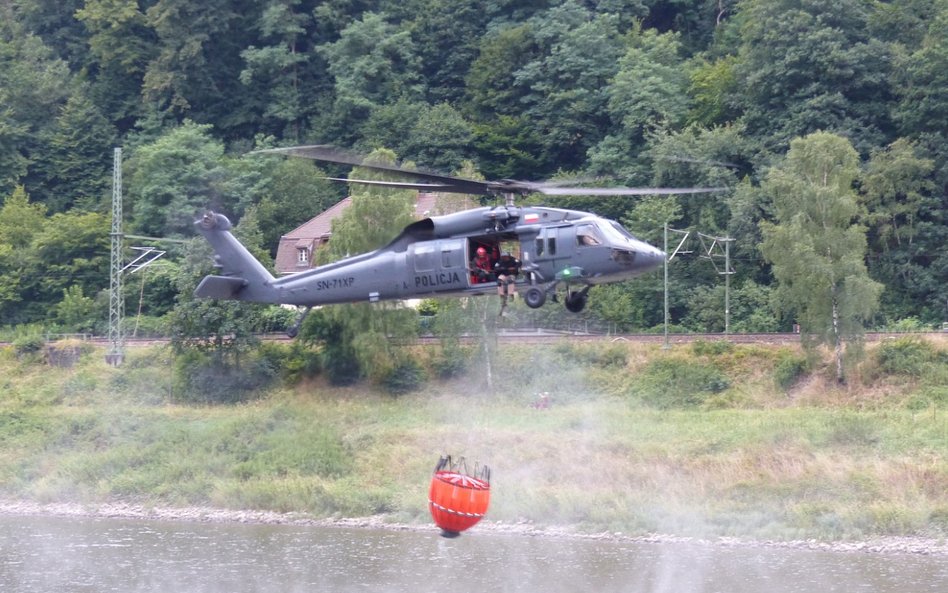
(647, 257)
(652, 258)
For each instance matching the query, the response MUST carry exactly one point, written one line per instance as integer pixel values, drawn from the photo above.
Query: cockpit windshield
(616, 234)
(622, 230)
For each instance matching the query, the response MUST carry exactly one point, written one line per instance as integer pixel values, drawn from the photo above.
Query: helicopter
(561, 250)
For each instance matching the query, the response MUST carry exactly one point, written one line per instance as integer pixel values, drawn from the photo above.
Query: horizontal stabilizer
(219, 287)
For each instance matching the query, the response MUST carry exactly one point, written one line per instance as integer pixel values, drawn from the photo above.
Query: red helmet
(481, 251)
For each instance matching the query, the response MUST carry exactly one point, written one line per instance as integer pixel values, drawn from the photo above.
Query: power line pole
(707, 252)
(727, 285)
(116, 353)
(710, 253)
(668, 258)
(665, 249)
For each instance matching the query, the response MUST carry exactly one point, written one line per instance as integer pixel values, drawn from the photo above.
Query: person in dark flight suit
(506, 269)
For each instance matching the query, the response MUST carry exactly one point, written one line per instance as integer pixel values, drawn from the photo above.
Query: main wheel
(576, 302)
(534, 297)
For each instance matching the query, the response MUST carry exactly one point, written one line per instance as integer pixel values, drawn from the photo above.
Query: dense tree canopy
(684, 92)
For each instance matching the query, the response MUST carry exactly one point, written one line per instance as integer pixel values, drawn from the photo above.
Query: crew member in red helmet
(481, 267)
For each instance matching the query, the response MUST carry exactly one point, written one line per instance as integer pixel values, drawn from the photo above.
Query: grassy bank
(700, 440)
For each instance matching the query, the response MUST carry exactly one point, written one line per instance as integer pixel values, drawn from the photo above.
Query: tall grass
(618, 450)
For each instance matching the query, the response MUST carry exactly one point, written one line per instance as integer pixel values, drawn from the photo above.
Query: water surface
(55, 554)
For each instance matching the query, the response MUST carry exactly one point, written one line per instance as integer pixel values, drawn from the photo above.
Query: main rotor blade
(435, 187)
(446, 183)
(330, 154)
(625, 191)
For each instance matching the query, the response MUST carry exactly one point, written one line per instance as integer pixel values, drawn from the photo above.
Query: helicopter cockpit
(588, 235)
(617, 234)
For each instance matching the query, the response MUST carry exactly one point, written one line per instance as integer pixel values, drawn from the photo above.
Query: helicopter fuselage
(431, 257)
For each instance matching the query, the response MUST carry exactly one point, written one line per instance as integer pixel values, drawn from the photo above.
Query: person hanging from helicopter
(507, 268)
(481, 268)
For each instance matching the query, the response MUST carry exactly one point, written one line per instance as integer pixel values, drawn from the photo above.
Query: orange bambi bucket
(457, 499)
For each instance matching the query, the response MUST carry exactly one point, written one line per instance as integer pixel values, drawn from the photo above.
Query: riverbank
(878, 545)
(701, 443)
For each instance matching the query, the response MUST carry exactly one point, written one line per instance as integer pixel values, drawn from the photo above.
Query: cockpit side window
(587, 235)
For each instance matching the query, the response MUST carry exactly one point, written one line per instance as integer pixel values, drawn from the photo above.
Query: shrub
(29, 346)
(340, 364)
(405, 377)
(673, 383)
(292, 362)
(609, 356)
(905, 356)
(450, 363)
(909, 324)
(788, 370)
(713, 348)
(276, 319)
(202, 378)
(146, 326)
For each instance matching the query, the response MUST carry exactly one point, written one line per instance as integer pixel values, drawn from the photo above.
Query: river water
(77, 555)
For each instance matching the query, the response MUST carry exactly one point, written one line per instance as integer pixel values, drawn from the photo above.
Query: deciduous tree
(808, 65)
(372, 63)
(906, 227)
(361, 333)
(815, 245)
(277, 72)
(173, 178)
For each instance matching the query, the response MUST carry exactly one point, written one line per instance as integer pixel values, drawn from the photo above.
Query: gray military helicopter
(561, 250)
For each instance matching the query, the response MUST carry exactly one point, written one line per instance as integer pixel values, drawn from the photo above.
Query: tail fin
(242, 276)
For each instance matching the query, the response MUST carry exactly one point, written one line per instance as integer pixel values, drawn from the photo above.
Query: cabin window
(302, 255)
(539, 246)
(551, 244)
(425, 258)
(452, 256)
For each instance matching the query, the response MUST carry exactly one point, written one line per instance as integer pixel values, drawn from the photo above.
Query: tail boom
(242, 277)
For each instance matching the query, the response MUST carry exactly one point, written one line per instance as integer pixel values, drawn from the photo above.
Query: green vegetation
(708, 439)
(826, 119)
(633, 92)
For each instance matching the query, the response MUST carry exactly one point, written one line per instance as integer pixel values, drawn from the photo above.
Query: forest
(826, 119)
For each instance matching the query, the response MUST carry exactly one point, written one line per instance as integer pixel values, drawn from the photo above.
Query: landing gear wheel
(576, 302)
(294, 329)
(534, 297)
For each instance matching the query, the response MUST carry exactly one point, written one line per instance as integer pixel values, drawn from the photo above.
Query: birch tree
(815, 247)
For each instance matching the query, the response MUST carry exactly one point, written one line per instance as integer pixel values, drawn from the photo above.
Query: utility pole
(668, 258)
(665, 249)
(727, 285)
(116, 353)
(710, 255)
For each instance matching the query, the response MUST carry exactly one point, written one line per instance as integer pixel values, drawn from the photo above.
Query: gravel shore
(881, 545)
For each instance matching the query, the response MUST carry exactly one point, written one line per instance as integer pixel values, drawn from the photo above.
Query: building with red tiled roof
(295, 252)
